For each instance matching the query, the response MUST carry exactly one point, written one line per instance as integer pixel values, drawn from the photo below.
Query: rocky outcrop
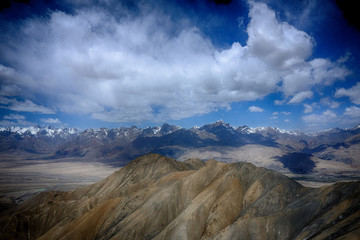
(155, 197)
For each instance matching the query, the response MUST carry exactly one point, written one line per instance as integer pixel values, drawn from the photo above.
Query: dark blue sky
(291, 64)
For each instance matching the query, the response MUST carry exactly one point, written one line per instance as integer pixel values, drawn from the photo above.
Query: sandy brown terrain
(23, 176)
(155, 197)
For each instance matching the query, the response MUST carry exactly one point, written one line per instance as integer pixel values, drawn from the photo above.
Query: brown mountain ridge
(156, 197)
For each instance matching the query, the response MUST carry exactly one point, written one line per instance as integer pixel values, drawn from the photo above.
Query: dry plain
(23, 176)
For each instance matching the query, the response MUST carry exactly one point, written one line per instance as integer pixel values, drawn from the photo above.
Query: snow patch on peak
(156, 130)
(245, 129)
(274, 130)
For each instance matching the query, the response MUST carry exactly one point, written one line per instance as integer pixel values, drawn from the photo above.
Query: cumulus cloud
(350, 116)
(151, 67)
(277, 43)
(301, 96)
(255, 109)
(353, 93)
(314, 72)
(329, 102)
(325, 117)
(352, 111)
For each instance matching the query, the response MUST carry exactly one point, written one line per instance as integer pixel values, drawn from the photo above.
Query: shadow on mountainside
(297, 162)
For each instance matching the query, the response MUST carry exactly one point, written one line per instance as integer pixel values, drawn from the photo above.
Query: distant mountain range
(271, 147)
(155, 197)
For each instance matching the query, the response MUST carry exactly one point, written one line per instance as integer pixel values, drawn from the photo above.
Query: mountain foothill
(157, 197)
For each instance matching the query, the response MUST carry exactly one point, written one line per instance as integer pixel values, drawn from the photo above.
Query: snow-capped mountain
(123, 144)
(44, 131)
(217, 126)
(275, 130)
(35, 139)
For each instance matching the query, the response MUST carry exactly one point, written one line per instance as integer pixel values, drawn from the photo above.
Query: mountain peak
(245, 129)
(218, 124)
(167, 128)
(156, 162)
(221, 122)
(356, 127)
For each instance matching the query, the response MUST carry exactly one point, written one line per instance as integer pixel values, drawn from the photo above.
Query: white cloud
(301, 96)
(286, 48)
(14, 117)
(350, 116)
(353, 93)
(7, 123)
(329, 102)
(352, 111)
(27, 106)
(255, 109)
(279, 102)
(10, 84)
(334, 104)
(51, 120)
(325, 117)
(4, 100)
(285, 113)
(286, 120)
(308, 108)
(315, 72)
(276, 115)
(277, 43)
(149, 67)
(303, 14)
(345, 58)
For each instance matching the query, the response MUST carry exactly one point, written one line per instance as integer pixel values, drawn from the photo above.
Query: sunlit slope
(160, 198)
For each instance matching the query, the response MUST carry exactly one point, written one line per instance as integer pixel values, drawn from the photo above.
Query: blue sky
(91, 64)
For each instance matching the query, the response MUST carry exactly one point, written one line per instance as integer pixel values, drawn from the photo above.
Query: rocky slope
(155, 197)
